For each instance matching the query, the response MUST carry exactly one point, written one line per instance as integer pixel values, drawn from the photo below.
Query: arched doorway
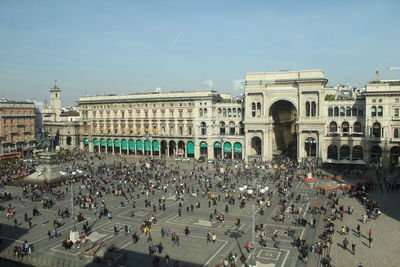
(156, 148)
(69, 140)
(217, 150)
(103, 145)
(357, 153)
(344, 152)
(190, 149)
(116, 146)
(203, 149)
(376, 154)
(181, 149)
(96, 145)
(376, 130)
(109, 145)
(139, 147)
(227, 150)
(284, 116)
(237, 151)
(131, 144)
(394, 155)
(86, 144)
(164, 147)
(332, 152)
(172, 148)
(255, 147)
(147, 147)
(124, 146)
(310, 146)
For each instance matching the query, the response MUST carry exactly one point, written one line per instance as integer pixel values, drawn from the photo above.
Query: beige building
(290, 112)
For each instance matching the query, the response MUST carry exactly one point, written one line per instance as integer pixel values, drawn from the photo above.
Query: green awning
(156, 146)
(227, 147)
(203, 144)
(123, 144)
(131, 145)
(217, 145)
(85, 141)
(95, 142)
(237, 148)
(109, 142)
(147, 145)
(190, 147)
(139, 145)
(102, 142)
(116, 143)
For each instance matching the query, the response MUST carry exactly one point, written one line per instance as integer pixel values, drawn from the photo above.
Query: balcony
(395, 118)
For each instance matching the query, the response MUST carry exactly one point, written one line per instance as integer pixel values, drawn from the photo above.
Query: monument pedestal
(74, 236)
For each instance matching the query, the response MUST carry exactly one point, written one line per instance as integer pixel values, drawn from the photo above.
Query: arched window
(232, 128)
(224, 112)
(333, 127)
(205, 113)
(253, 109)
(373, 111)
(380, 111)
(342, 112)
(357, 153)
(241, 128)
(332, 152)
(201, 113)
(396, 133)
(336, 112)
(222, 127)
(219, 113)
(307, 109)
(239, 112)
(258, 109)
(234, 112)
(360, 111)
(345, 152)
(354, 111)
(345, 127)
(330, 111)
(348, 111)
(313, 109)
(203, 128)
(357, 127)
(376, 130)
(229, 112)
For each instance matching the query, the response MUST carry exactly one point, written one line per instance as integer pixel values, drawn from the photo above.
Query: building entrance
(284, 115)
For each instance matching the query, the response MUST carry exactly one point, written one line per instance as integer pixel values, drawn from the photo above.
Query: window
(232, 128)
(234, 112)
(396, 112)
(313, 109)
(190, 113)
(354, 111)
(397, 100)
(357, 127)
(224, 112)
(171, 113)
(205, 113)
(330, 111)
(258, 109)
(336, 112)
(333, 127)
(348, 111)
(342, 112)
(190, 130)
(203, 128)
(360, 112)
(229, 112)
(219, 113)
(180, 113)
(307, 109)
(253, 109)
(239, 112)
(396, 133)
(222, 127)
(345, 127)
(380, 111)
(373, 111)
(376, 130)
(180, 130)
(241, 128)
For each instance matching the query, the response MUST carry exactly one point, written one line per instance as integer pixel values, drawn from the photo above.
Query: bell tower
(55, 102)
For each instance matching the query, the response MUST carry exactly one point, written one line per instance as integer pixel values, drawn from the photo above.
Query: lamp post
(253, 190)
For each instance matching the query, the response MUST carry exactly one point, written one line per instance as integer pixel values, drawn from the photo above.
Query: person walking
(213, 237)
(370, 241)
(345, 243)
(358, 230)
(353, 248)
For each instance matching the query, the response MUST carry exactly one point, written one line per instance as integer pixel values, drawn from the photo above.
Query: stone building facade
(289, 112)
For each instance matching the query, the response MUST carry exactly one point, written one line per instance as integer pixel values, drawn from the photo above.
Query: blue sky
(134, 46)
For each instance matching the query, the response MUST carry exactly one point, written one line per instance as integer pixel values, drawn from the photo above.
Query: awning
(131, 145)
(217, 145)
(109, 142)
(203, 144)
(123, 144)
(139, 145)
(237, 148)
(227, 147)
(95, 142)
(102, 142)
(116, 143)
(85, 141)
(156, 146)
(190, 147)
(147, 145)
(344, 161)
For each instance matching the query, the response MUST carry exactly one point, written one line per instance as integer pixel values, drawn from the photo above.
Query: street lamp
(254, 191)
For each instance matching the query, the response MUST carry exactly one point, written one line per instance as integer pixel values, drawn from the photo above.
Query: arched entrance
(69, 140)
(332, 152)
(310, 146)
(344, 152)
(357, 153)
(217, 150)
(227, 150)
(181, 149)
(103, 145)
(131, 144)
(164, 147)
(86, 144)
(109, 145)
(156, 148)
(96, 145)
(255, 150)
(172, 148)
(203, 149)
(394, 155)
(124, 146)
(376, 154)
(147, 147)
(190, 149)
(116, 146)
(139, 147)
(237, 151)
(284, 116)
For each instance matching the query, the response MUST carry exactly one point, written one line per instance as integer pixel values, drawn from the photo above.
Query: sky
(120, 47)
